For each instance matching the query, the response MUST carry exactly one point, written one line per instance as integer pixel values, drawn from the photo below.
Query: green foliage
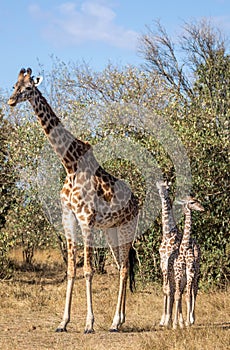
(7, 181)
(27, 227)
(8, 178)
(23, 222)
(202, 123)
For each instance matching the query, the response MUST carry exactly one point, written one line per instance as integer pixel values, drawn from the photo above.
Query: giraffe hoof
(114, 330)
(89, 331)
(60, 330)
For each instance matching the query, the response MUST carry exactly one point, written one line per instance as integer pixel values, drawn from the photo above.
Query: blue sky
(96, 31)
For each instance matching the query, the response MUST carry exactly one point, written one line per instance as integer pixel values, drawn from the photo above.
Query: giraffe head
(24, 87)
(190, 203)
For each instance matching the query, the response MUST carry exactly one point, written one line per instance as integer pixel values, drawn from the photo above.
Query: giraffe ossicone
(90, 196)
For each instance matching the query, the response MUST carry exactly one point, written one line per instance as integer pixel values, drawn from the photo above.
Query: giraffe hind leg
(120, 249)
(88, 273)
(194, 295)
(69, 224)
(119, 317)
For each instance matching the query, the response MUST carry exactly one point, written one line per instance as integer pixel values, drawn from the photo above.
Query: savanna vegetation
(173, 109)
(31, 305)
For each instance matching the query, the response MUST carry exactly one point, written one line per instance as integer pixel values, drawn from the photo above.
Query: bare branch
(160, 55)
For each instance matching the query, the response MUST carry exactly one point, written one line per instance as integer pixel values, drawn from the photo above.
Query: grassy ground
(31, 307)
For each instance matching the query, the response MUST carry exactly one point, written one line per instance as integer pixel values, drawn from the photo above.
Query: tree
(8, 178)
(110, 110)
(7, 175)
(23, 222)
(101, 103)
(200, 44)
(198, 109)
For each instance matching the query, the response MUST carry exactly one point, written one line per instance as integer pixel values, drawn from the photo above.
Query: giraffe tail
(132, 263)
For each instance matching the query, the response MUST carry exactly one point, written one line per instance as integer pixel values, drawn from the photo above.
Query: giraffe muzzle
(12, 102)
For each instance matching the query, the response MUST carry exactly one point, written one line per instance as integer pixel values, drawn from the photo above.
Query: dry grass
(32, 304)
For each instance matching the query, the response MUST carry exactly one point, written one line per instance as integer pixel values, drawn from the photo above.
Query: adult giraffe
(90, 196)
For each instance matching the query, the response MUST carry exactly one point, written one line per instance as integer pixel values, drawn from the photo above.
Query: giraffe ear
(38, 80)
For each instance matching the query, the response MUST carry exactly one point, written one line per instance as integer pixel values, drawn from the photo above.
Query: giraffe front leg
(88, 273)
(165, 300)
(191, 294)
(178, 313)
(170, 291)
(169, 303)
(71, 273)
(181, 319)
(178, 317)
(189, 301)
(163, 317)
(175, 321)
(66, 315)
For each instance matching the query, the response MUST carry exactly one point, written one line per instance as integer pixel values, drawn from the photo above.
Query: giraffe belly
(110, 220)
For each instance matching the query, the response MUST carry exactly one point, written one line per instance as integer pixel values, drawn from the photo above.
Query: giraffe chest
(168, 246)
(168, 254)
(96, 203)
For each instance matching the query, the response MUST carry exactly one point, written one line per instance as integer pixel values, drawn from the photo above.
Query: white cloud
(73, 23)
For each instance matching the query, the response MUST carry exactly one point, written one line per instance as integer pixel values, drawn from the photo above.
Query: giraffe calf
(168, 250)
(180, 259)
(187, 266)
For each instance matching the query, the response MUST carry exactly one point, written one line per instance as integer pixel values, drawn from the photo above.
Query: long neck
(187, 228)
(168, 222)
(67, 147)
